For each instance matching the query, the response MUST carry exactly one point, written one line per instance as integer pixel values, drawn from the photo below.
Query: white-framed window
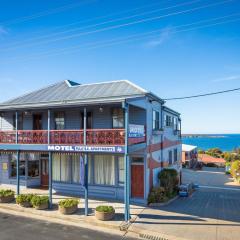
(168, 120)
(175, 123)
(59, 121)
(156, 118)
(170, 157)
(117, 118)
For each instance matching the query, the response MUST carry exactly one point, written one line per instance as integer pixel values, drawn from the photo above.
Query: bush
(66, 203)
(39, 200)
(105, 209)
(6, 193)
(157, 195)
(235, 169)
(169, 180)
(23, 198)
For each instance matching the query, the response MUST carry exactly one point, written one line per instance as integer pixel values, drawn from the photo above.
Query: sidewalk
(77, 219)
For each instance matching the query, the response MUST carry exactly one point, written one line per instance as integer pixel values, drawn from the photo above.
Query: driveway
(209, 177)
(212, 212)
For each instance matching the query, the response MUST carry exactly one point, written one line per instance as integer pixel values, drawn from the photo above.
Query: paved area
(213, 177)
(16, 227)
(78, 217)
(210, 213)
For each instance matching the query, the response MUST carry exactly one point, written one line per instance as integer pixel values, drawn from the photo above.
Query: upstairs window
(175, 123)
(118, 118)
(20, 121)
(168, 120)
(156, 123)
(59, 121)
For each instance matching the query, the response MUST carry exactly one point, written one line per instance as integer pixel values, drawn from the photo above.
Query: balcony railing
(61, 137)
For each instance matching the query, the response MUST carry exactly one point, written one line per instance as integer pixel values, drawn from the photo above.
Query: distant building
(210, 160)
(189, 155)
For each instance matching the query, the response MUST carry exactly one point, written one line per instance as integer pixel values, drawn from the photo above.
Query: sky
(172, 48)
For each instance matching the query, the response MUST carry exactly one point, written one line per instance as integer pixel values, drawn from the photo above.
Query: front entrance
(137, 177)
(44, 172)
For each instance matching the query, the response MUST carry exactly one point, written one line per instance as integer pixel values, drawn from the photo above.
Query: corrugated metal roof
(70, 91)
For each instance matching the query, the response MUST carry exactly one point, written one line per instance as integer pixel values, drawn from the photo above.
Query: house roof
(188, 148)
(205, 158)
(68, 92)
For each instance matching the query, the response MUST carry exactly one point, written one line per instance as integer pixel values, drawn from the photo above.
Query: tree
(235, 169)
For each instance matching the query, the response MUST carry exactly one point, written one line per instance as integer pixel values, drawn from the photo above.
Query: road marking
(221, 188)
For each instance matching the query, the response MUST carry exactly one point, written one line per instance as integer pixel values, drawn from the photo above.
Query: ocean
(226, 142)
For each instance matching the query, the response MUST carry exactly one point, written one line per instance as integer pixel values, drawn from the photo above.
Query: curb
(79, 222)
(163, 204)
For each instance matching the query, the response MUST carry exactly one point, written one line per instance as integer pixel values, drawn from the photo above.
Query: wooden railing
(61, 137)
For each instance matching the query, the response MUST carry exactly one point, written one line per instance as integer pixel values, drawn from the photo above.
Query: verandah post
(85, 160)
(18, 153)
(18, 176)
(49, 163)
(50, 179)
(126, 166)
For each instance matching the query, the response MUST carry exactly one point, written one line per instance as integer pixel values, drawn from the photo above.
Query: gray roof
(69, 92)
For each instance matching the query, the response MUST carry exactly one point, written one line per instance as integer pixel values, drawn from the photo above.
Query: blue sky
(173, 48)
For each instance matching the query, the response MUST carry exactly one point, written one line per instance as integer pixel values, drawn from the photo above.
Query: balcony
(104, 137)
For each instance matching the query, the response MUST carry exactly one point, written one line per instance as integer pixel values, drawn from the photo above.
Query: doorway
(37, 121)
(137, 177)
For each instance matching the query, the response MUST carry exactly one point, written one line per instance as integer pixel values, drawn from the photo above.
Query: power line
(144, 20)
(134, 37)
(202, 95)
(44, 13)
(20, 44)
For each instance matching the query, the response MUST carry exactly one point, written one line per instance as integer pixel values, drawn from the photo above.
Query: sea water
(226, 142)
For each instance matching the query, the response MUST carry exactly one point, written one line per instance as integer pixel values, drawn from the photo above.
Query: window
(76, 169)
(175, 123)
(118, 118)
(59, 121)
(170, 157)
(175, 155)
(33, 165)
(13, 164)
(168, 120)
(66, 168)
(104, 170)
(20, 121)
(156, 123)
(121, 176)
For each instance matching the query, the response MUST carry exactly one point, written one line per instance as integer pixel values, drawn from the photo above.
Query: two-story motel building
(114, 125)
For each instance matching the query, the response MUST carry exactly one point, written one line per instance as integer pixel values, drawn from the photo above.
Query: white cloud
(226, 79)
(163, 37)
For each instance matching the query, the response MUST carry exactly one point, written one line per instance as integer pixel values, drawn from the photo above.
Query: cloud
(163, 37)
(226, 79)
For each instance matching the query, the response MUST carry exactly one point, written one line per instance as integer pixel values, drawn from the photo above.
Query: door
(137, 181)
(37, 122)
(44, 172)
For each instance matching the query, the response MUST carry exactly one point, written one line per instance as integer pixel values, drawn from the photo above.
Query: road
(15, 227)
(212, 212)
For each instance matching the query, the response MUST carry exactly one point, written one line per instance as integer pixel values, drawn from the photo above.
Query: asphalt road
(15, 227)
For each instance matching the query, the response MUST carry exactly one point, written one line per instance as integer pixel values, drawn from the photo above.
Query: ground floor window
(121, 176)
(104, 169)
(28, 163)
